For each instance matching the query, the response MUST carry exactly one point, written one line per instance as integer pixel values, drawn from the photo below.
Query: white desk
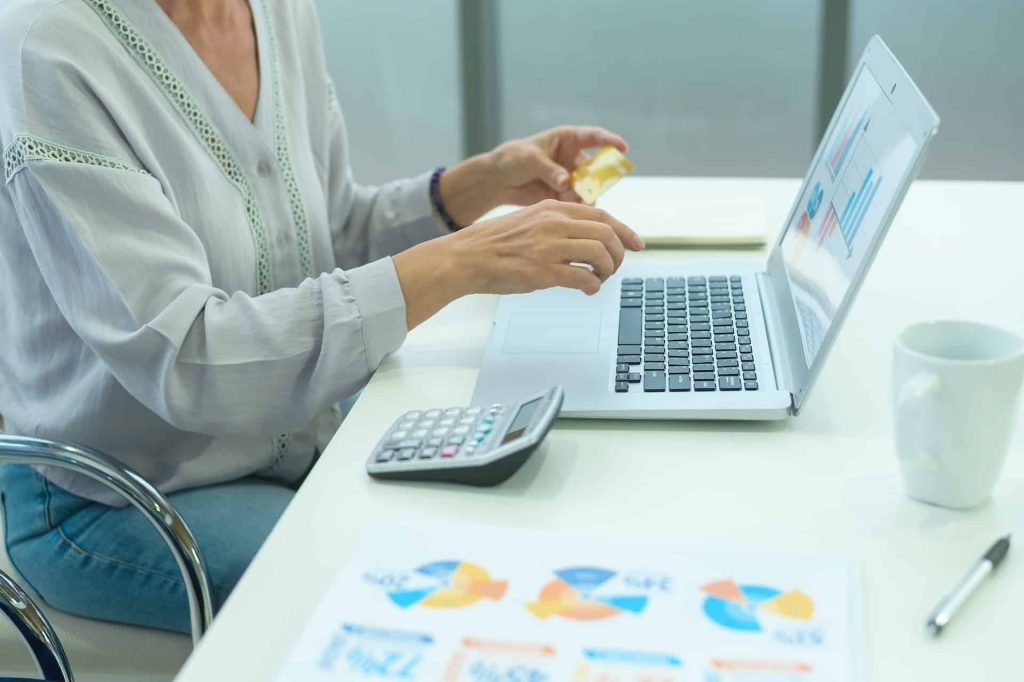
(824, 481)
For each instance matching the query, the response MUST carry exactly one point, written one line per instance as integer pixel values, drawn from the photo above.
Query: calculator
(477, 445)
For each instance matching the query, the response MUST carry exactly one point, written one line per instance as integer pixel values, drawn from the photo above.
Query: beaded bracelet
(438, 205)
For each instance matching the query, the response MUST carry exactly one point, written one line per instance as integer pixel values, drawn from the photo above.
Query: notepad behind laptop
(738, 221)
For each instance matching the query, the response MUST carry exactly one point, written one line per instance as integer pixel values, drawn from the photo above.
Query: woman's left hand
(521, 172)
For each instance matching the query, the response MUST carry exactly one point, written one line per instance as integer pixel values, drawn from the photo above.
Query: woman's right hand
(530, 249)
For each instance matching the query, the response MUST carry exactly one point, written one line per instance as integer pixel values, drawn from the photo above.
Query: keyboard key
(701, 343)
(750, 385)
(629, 327)
(629, 350)
(750, 376)
(621, 387)
(696, 280)
(678, 345)
(654, 284)
(726, 355)
(631, 294)
(654, 366)
(748, 367)
(634, 378)
(742, 324)
(654, 357)
(701, 335)
(631, 303)
(704, 386)
(632, 280)
(702, 327)
(703, 376)
(679, 361)
(385, 455)
(678, 337)
(727, 363)
(449, 451)
(728, 372)
(654, 381)
(741, 316)
(675, 282)
(622, 367)
(721, 314)
(428, 453)
(654, 325)
(724, 338)
(746, 349)
(699, 318)
(654, 334)
(725, 346)
(735, 279)
(622, 376)
(674, 353)
(743, 334)
(678, 382)
(700, 351)
(698, 310)
(628, 360)
(406, 454)
(673, 319)
(747, 357)
(654, 317)
(678, 369)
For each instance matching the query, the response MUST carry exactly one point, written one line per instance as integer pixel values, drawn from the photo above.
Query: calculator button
(435, 442)
(439, 433)
(419, 433)
(399, 435)
(406, 453)
(447, 422)
(461, 431)
(410, 443)
(385, 455)
(415, 414)
(484, 428)
(432, 414)
(457, 440)
(479, 437)
(487, 420)
(428, 453)
(449, 451)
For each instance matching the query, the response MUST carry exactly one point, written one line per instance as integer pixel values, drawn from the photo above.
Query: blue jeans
(109, 563)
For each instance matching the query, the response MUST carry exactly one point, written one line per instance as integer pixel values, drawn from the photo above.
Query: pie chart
(573, 594)
(450, 585)
(738, 607)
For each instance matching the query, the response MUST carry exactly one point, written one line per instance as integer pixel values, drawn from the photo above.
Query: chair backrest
(35, 630)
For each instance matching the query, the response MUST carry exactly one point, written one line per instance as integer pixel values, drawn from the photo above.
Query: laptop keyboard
(684, 334)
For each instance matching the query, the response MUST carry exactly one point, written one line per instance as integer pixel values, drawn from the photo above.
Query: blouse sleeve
(368, 223)
(133, 282)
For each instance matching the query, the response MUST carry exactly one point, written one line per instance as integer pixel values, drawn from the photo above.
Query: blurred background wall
(732, 87)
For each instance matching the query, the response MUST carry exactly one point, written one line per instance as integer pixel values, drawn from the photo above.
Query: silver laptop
(713, 340)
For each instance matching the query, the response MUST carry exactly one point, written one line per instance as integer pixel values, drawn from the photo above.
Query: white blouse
(180, 287)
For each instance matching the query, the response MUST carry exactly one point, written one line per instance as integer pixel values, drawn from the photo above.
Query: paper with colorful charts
(471, 604)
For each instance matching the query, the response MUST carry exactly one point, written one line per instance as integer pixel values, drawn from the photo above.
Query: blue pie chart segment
(737, 616)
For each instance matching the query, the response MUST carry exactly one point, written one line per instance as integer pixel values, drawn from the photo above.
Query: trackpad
(553, 333)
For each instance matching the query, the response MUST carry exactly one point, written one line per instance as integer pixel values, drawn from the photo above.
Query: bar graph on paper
(852, 165)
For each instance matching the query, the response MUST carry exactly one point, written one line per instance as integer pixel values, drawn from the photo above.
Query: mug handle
(908, 405)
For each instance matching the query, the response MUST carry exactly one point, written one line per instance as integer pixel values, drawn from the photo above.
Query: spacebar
(630, 332)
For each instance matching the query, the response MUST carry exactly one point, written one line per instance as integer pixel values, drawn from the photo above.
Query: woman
(191, 278)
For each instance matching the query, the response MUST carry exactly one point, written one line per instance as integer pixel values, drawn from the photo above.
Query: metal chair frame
(19, 607)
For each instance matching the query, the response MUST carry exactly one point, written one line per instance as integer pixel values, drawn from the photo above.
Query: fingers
(590, 251)
(545, 169)
(575, 277)
(626, 235)
(586, 137)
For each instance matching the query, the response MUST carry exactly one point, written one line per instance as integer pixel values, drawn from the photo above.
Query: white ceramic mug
(956, 391)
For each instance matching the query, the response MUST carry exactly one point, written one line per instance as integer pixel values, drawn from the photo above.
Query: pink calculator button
(449, 450)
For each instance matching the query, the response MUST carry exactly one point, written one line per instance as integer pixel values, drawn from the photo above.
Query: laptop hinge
(776, 338)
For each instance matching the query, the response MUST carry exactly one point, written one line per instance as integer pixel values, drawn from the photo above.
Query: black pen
(947, 607)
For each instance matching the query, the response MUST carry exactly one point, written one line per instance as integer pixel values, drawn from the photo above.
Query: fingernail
(638, 242)
(562, 180)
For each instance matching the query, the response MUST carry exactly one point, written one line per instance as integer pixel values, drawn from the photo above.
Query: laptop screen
(864, 159)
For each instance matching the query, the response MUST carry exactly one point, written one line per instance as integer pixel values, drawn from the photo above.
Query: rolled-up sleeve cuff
(381, 305)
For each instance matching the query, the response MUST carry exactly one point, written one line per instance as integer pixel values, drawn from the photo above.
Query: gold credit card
(595, 177)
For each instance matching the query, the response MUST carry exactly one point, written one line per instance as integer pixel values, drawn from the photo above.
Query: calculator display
(522, 420)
